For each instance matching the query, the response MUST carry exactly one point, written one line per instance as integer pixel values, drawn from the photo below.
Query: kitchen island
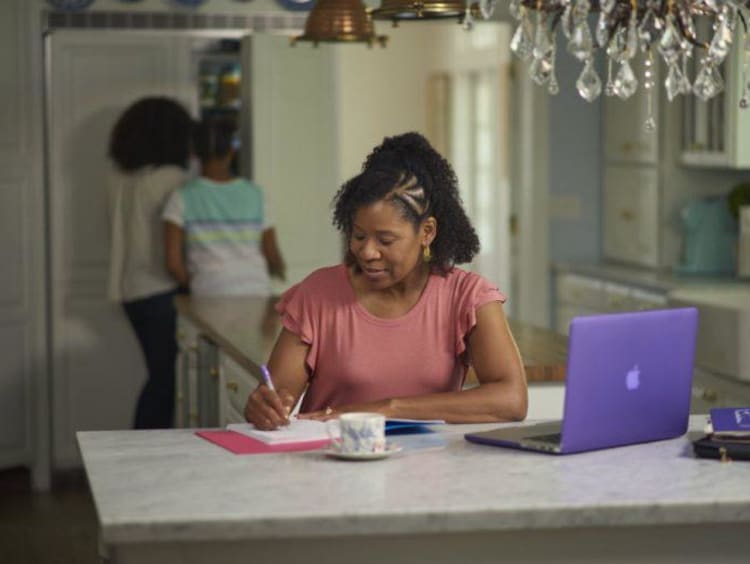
(169, 496)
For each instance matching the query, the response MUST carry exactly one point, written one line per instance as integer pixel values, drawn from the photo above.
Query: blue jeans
(154, 320)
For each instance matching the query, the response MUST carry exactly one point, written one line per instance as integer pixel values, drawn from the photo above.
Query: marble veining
(172, 486)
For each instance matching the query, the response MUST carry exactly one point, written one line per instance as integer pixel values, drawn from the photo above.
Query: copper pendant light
(397, 10)
(334, 21)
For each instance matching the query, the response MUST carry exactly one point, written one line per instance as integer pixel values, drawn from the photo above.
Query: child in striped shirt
(219, 235)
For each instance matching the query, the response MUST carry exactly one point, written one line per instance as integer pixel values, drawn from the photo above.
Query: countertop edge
(430, 523)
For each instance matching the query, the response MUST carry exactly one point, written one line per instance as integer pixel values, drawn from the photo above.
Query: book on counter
(309, 430)
(729, 423)
(727, 435)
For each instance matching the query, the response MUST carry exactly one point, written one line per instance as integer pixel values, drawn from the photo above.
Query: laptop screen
(629, 377)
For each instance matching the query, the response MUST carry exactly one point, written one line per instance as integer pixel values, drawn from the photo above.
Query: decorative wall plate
(297, 5)
(70, 5)
(189, 3)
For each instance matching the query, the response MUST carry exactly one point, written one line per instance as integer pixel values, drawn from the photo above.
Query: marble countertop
(246, 329)
(723, 304)
(173, 486)
(664, 281)
(734, 297)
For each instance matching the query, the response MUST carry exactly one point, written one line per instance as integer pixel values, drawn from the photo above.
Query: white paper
(298, 431)
(307, 430)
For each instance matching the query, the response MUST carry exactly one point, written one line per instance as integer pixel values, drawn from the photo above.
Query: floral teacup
(360, 433)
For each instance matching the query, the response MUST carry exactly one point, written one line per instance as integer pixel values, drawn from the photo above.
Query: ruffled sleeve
(298, 314)
(473, 291)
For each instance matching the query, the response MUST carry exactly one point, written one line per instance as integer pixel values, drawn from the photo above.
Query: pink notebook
(242, 444)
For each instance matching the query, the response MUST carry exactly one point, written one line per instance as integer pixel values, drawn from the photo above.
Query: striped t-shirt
(223, 224)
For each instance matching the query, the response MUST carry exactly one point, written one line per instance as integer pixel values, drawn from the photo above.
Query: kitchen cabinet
(186, 381)
(626, 139)
(724, 329)
(645, 182)
(630, 199)
(235, 385)
(716, 133)
(211, 387)
(631, 214)
(197, 378)
(209, 371)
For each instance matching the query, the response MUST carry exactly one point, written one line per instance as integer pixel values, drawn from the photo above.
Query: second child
(219, 237)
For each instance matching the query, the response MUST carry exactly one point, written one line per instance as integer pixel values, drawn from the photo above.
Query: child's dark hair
(407, 171)
(152, 131)
(213, 138)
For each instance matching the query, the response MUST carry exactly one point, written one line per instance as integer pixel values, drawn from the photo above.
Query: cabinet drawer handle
(193, 346)
(626, 215)
(232, 386)
(214, 372)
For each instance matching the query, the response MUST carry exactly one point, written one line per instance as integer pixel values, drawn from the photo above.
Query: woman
(221, 223)
(395, 328)
(150, 147)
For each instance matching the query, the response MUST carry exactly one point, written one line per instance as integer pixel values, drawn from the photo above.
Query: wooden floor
(49, 528)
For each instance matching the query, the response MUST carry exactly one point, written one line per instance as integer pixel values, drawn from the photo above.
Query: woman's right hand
(268, 409)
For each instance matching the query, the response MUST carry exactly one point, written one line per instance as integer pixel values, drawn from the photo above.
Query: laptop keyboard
(553, 438)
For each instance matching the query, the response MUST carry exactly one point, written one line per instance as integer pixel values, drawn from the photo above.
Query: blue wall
(575, 152)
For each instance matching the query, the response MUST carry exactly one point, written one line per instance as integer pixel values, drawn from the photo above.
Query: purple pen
(267, 376)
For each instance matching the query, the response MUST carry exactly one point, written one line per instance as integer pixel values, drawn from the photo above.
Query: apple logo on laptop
(632, 379)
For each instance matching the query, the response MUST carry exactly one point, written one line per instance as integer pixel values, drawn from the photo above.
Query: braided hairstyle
(407, 171)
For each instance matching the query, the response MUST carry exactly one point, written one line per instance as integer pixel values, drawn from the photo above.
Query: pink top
(356, 357)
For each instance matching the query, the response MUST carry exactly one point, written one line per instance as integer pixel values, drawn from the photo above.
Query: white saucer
(390, 449)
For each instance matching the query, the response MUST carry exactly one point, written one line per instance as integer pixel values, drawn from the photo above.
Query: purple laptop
(628, 381)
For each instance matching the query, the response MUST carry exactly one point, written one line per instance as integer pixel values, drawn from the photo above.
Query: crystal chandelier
(660, 29)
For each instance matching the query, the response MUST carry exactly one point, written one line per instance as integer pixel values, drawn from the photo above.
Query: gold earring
(426, 254)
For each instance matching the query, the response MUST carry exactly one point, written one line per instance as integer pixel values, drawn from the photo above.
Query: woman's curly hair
(151, 131)
(409, 172)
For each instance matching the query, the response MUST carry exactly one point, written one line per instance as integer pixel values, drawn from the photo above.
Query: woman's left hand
(383, 407)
